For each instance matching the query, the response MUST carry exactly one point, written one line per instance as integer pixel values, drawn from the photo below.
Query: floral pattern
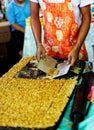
(60, 32)
(58, 22)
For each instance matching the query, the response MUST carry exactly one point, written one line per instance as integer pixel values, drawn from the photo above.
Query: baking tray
(30, 71)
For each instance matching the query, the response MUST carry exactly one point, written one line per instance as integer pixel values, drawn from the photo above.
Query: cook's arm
(17, 27)
(84, 28)
(36, 28)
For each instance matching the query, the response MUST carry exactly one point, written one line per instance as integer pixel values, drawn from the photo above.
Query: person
(17, 11)
(66, 25)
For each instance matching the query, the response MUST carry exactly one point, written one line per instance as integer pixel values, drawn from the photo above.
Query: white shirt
(76, 4)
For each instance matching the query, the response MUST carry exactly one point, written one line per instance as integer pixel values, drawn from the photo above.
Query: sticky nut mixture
(31, 103)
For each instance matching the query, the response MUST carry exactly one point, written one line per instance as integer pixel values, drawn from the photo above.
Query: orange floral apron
(60, 29)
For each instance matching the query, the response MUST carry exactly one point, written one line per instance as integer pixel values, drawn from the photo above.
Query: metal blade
(47, 63)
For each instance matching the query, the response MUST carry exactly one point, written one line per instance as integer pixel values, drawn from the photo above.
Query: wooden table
(5, 36)
(4, 23)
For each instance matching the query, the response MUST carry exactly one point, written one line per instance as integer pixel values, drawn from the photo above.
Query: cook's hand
(73, 57)
(41, 53)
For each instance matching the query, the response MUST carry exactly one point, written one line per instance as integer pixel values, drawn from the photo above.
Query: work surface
(4, 23)
(65, 122)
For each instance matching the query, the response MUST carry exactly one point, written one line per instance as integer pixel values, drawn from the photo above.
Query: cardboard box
(5, 34)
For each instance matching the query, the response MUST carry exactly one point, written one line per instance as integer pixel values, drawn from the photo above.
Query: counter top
(4, 23)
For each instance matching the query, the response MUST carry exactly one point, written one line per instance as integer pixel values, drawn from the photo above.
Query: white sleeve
(36, 1)
(86, 2)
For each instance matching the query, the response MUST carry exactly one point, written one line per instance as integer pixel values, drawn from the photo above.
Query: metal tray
(32, 72)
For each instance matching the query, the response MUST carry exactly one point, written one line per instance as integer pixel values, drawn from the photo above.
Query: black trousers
(14, 46)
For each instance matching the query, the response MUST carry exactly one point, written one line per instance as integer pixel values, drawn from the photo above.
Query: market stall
(31, 99)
